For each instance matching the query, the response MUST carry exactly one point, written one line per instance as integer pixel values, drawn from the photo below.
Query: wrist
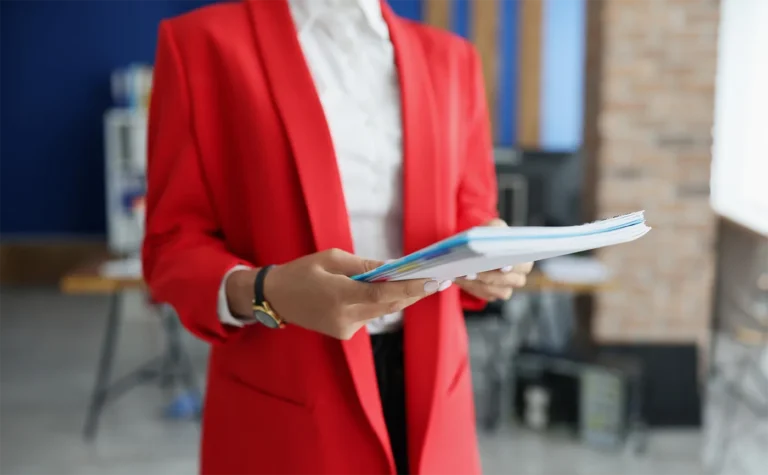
(239, 290)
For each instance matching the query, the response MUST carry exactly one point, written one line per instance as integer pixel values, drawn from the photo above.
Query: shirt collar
(306, 12)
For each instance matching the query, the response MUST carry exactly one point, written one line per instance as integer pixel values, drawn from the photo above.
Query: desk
(550, 302)
(171, 367)
(88, 279)
(551, 295)
(502, 329)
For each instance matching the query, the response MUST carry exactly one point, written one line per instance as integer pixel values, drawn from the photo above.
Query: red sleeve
(478, 196)
(183, 257)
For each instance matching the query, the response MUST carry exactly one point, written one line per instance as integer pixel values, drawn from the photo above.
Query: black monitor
(538, 188)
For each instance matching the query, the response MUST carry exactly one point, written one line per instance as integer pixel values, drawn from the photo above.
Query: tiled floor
(48, 349)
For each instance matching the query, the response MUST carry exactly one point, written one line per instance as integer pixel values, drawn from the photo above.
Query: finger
(503, 293)
(524, 268)
(341, 262)
(487, 292)
(495, 293)
(484, 294)
(517, 269)
(500, 279)
(386, 292)
(497, 223)
(366, 312)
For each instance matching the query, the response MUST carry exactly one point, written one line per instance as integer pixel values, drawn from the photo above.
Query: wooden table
(89, 279)
(171, 367)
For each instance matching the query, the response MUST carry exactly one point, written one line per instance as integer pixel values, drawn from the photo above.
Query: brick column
(652, 122)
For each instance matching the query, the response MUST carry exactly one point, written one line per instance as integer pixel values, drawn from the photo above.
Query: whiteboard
(740, 149)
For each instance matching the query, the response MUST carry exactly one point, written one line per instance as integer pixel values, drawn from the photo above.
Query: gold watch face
(266, 316)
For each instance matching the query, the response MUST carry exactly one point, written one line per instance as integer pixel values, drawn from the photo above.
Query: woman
(286, 139)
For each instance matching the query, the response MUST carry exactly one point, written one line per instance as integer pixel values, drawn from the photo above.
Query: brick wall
(653, 119)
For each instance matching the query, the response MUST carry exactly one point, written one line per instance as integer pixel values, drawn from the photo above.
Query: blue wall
(55, 59)
(412, 9)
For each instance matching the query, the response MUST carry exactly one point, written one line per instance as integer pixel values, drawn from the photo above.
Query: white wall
(740, 152)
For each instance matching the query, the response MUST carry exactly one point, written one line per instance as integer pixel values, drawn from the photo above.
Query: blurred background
(650, 357)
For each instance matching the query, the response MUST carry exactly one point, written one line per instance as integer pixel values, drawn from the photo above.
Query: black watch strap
(258, 285)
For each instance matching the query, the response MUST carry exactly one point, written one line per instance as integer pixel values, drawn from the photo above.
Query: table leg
(104, 371)
(169, 367)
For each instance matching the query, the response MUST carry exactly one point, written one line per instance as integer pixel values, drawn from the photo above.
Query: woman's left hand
(496, 284)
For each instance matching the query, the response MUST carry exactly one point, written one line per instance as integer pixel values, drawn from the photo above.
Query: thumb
(496, 223)
(344, 263)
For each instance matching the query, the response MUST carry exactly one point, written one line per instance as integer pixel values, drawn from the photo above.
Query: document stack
(487, 248)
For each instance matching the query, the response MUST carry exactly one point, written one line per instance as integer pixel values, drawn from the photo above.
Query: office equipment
(499, 330)
(610, 401)
(513, 198)
(599, 396)
(125, 164)
(131, 86)
(538, 188)
(511, 365)
(486, 248)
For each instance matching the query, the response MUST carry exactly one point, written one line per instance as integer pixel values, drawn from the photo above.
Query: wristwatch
(262, 311)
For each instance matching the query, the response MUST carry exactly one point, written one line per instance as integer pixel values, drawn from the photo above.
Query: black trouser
(390, 372)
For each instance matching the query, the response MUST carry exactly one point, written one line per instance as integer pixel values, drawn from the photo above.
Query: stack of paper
(488, 248)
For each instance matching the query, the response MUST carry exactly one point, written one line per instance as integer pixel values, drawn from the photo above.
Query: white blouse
(347, 48)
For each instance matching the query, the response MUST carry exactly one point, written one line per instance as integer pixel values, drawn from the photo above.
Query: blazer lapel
(304, 120)
(422, 225)
(302, 115)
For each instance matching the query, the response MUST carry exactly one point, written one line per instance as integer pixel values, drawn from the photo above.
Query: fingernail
(471, 276)
(507, 269)
(431, 287)
(444, 285)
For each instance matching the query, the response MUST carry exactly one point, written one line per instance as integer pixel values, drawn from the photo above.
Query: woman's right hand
(316, 293)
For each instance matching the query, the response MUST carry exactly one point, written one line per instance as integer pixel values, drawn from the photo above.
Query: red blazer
(242, 171)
